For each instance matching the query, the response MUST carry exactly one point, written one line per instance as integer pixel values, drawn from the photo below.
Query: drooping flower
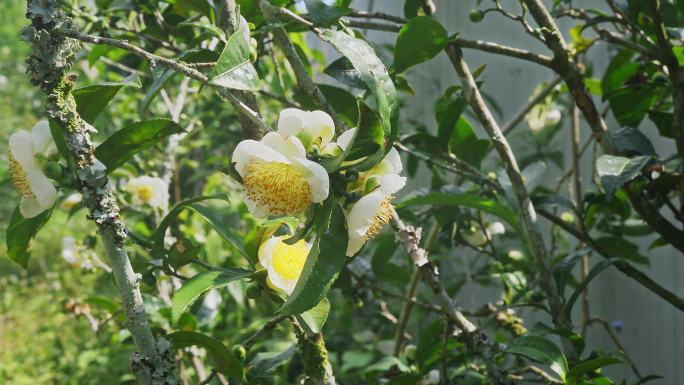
(283, 262)
(475, 236)
(148, 190)
(277, 177)
(367, 216)
(28, 153)
(311, 127)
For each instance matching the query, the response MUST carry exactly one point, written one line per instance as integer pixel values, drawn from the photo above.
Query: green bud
(53, 170)
(253, 291)
(239, 352)
(476, 15)
(410, 352)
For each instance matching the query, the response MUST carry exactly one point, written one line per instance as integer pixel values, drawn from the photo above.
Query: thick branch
(50, 60)
(529, 216)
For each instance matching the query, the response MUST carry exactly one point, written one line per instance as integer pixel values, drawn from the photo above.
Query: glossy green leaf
(343, 71)
(323, 14)
(314, 318)
(367, 146)
(324, 263)
(373, 73)
(418, 41)
(264, 364)
(465, 144)
(541, 350)
(234, 68)
(580, 370)
(466, 200)
(205, 212)
(220, 357)
(132, 139)
(265, 230)
(19, 233)
(615, 171)
(199, 284)
(91, 100)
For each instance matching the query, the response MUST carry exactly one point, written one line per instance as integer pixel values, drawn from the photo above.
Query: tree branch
(529, 216)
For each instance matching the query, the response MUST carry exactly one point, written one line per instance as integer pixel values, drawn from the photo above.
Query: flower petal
(395, 160)
(289, 146)
(21, 148)
(29, 207)
(360, 218)
(291, 121)
(345, 138)
(321, 125)
(266, 251)
(43, 189)
(42, 138)
(317, 177)
(391, 183)
(247, 150)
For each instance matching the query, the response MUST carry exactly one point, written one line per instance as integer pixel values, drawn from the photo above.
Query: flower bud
(476, 15)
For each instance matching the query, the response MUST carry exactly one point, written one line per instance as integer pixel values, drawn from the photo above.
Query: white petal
(395, 160)
(321, 126)
(391, 183)
(496, 228)
(286, 285)
(29, 207)
(266, 251)
(355, 244)
(291, 121)
(289, 146)
(317, 177)
(362, 213)
(42, 138)
(42, 187)
(345, 138)
(21, 148)
(247, 150)
(254, 209)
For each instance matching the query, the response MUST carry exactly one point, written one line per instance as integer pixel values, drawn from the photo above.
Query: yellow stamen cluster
(144, 193)
(288, 260)
(279, 187)
(19, 178)
(382, 217)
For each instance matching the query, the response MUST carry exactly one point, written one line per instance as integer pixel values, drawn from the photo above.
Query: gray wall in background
(653, 333)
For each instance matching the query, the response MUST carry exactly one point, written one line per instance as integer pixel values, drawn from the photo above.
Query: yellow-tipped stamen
(382, 217)
(288, 260)
(19, 178)
(144, 193)
(279, 187)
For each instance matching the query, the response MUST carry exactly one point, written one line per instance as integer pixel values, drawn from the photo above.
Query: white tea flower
(27, 151)
(147, 190)
(277, 177)
(475, 236)
(283, 262)
(73, 255)
(71, 201)
(311, 127)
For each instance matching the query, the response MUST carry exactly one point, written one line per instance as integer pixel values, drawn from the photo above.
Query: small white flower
(516, 255)
(71, 201)
(283, 262)
(476, 237)
(148, 190)
(3, 82)
(541, 117)
(73, 255)
(433, 377)
(311, 127)
(36, 190)
(367, 216)
(277, 178)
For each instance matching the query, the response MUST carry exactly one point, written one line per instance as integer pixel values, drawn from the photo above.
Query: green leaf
(323, 264)
(315, 318)
(264, 364)
(662, 120)
(577, 372)
(630, 141)
(343, 71)
(220, 357)
(367, 146)
(91, 100)
(599, 267)
(541, 350)
(132, 139)
(615, 171)
(263, 231)
(234, 68)
(418, 41)
(373, 73)
(323, 14)
(343, 102)
(467, 200)
(466, 145)
(20, 232)
(199, 284)
(207, 213)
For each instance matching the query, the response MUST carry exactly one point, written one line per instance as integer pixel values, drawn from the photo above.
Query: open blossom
(477, 237)
(367, 216)
(147, 190)
(283, 262)
(311, 127)
(277, 177)
(540, 117)
(28, 150)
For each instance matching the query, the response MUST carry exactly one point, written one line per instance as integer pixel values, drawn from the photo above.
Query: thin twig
(268, 326)
(536, 99)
